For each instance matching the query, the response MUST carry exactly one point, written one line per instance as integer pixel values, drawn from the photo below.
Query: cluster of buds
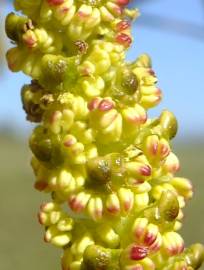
(116, 203)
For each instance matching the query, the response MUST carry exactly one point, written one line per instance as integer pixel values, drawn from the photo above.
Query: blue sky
(177, 59)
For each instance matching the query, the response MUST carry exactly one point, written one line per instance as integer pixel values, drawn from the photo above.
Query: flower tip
(55, 2)
(138, 252)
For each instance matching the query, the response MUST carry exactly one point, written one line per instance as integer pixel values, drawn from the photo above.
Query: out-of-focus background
(172, 32)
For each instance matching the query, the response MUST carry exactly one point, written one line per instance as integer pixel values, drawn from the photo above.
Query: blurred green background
(21, 237)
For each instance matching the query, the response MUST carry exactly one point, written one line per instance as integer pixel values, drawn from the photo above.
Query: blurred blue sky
(178, 60)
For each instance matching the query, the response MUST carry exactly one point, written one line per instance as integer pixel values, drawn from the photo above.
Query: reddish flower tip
(93, 104)
(40, 218)
(105, 105)
(75, 205)
(146, 170)
(55, 2)
(113, 210)
(40, 185)
(151, 72)
(123, 25)
(150, 239)
(69, 143)
(124, 39)
(123, 2)
(138, 252)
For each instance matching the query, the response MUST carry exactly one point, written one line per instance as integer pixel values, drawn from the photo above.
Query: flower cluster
(116, 203)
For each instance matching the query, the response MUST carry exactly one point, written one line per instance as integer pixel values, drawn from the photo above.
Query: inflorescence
(116, 203)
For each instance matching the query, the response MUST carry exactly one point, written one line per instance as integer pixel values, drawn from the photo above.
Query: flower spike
(115, 201)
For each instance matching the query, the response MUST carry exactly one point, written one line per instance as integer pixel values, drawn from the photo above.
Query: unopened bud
(126, 198)
(168, 124)
(172, 244)
(144, 61)
(171, 164)
(80, 245)
(133, 253)
(95, 208)
(195, 256)
(124, 39)
(55, 2)
(109, 236)
(45, 148)
(14, 26)
(113, 204)
(99, 170)
(155, 148)
(96, 257)
(79, 201)
(168, 205)
(134, 116)
(183, 186)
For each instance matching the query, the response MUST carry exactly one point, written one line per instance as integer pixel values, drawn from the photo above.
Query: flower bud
(65, 224)
(57, 238)
(99, 170)
(95, 208)
(143, 61)
(141, 201)
(168, 205)
(106, 16)
(45, 148)
(147, 234)
(124, 39)
(194, 256)
(172, 243)
(157, 190)
(150, 96)
(79, 201)
(132, 254)
(75, 150)
(137, 169)
(156, 149)
(96, 257)
(30, 8)
(55, 2)
(49, 214)
(54, 69)
(105, 120)
(30, 96)
(61, 120)
(109, 237)
(122, 25)
(141, 187)
(84, 21)
(168, 124)
(133, 117)
(126, 198)
(113, 204)
(14, 26)
(171, 163)
(80, 245)
(99, 57)
(138, 252)
(92, 87)
(15, 58)
(64, 179)
(183, 186)
(30, 39)
(129, 82)
(178, 265)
